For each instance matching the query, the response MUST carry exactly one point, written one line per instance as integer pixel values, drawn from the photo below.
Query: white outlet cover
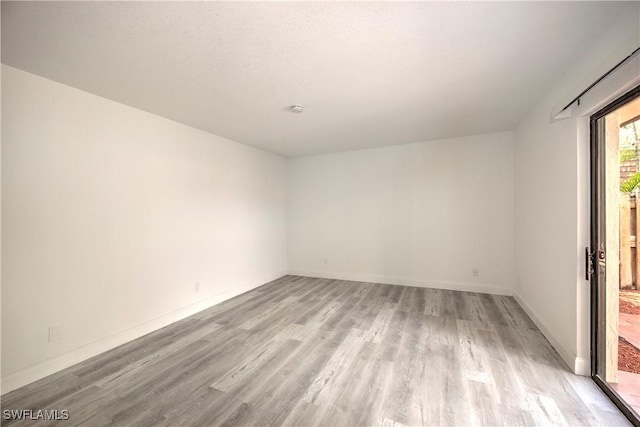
(55, 333)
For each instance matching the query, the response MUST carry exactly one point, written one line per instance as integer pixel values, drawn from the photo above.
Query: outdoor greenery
(630, 185)
(630, 150)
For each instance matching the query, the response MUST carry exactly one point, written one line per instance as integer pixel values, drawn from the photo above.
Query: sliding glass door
(613, 260)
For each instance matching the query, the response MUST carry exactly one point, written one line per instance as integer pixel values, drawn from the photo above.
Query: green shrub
(629, 185)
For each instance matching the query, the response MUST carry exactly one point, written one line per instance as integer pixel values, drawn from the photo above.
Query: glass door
(613, 261)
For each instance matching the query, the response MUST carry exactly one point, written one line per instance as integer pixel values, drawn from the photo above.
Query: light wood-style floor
(310, 352)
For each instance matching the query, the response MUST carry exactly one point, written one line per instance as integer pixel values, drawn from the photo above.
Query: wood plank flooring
(313, 352)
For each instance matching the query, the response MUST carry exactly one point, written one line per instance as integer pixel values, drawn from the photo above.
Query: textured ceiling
(368, 74)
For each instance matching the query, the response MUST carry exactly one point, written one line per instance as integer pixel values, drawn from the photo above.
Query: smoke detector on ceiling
(296, 108)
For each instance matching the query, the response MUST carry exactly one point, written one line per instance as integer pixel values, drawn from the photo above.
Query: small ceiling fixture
(296, 108)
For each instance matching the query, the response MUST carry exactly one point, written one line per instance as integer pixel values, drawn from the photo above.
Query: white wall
(546, 178)
(552, 202)
(423, 214)
(110, 215)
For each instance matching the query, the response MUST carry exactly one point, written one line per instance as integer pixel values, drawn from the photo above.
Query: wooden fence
(629, 259)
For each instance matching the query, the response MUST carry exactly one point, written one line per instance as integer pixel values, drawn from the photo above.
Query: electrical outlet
(196, 286)
(476, 272)
(54, 333)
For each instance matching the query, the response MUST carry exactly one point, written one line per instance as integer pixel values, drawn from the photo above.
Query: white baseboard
(578, 365)
(483, 288)
(57, 363)
(583, 366)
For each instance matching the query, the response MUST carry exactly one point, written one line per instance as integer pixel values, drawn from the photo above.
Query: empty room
(320, 213)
